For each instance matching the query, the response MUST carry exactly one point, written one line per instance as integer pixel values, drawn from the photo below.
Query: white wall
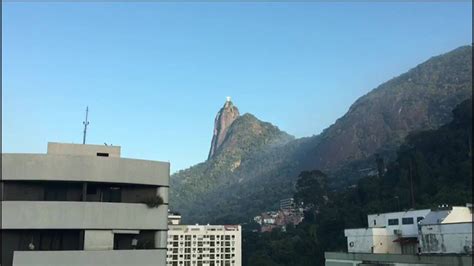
(408, 230)
(163, 192)
(98, 240)
(458, 215)
(81, 149)
(371, 240)
(446, 238)
(380, 220)
(384, 244)
(161, 239)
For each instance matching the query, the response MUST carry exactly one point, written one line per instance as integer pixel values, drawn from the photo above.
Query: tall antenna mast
(85, 126)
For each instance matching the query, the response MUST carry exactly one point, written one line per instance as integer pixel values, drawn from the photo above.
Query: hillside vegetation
(439, 163)
(257, 164)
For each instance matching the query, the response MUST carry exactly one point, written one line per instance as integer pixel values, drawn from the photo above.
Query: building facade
(204, 245)
(174, 218)
(394, 232)
(83, 204)
(418, 237)
(287, 204)
(447, 232)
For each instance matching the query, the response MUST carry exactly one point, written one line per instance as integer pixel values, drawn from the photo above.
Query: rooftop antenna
(85, 126)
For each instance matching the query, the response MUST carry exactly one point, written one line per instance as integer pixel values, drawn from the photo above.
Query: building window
(102, 154)
(54, 193)
(375, 222)
(408, 220)
(392, 221)
(112, 194)
(91, 189)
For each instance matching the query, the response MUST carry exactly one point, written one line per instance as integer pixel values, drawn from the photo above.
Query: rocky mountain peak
(224, 119)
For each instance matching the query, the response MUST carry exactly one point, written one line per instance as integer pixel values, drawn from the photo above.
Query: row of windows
(200, 250)
(200, 244)
(406, 220)
(201, 257)
(201, 241)
(211, 237)
(200, 263)
(205, 261)
(74, 191)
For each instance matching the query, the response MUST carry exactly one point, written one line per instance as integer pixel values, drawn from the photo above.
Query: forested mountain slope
(257, 164)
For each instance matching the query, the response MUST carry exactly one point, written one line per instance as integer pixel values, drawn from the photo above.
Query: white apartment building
(204, 245)
(287, 204)
(83, 205)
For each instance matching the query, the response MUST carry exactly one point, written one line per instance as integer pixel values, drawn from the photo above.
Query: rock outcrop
(224, 119)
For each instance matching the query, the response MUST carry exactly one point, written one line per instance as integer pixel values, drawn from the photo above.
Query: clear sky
(154, 75)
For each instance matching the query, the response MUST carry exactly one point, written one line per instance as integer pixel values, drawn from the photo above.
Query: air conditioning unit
(468, 249)
(397, 232)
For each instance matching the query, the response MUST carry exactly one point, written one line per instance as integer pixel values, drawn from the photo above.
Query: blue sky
(155, 74)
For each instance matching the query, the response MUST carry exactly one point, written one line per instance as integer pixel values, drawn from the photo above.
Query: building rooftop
(435, 217)
(83, 149)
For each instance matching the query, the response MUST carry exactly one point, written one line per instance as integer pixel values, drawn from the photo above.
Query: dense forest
(431, 168)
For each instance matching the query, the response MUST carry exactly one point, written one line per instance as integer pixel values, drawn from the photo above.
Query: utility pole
(398, 203)
(86, 122)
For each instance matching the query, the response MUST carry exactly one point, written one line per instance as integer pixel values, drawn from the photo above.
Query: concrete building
(204, 245)
(420, 237)
(287, 204)
(447, 231)
(394, 232)
(83, 205)
(368, 259)
(174, 218)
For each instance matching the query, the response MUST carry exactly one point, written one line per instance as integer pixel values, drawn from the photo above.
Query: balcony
(82, 215)
(84, 168)
(90, 258)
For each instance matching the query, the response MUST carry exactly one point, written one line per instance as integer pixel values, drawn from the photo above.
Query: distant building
(258, 219)
(288, 214)
(418, 237)
(287, 204)
(83, 204)
(206, 245)
(174, 218)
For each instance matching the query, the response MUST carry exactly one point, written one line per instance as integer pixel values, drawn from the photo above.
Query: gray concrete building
(83, 205)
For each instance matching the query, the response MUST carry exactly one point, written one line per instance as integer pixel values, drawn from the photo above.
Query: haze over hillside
(254, 164)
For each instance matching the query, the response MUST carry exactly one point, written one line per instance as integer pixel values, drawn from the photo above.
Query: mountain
(245, 136)
(252, 169)
(420, 99)
(435, 164)
(224, 119)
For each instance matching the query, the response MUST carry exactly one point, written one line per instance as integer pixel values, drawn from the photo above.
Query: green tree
(311, 188)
